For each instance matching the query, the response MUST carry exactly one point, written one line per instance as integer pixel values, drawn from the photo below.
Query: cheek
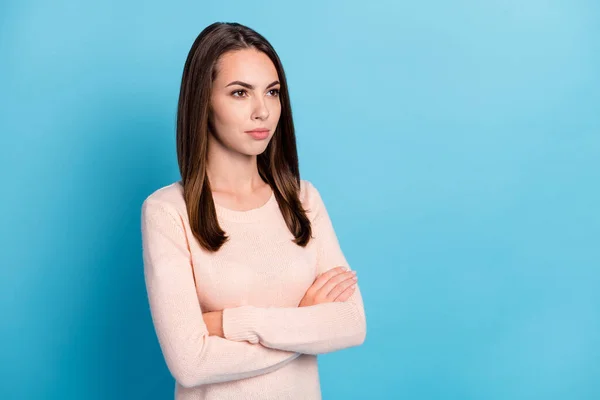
(276, 110)
(229, 116)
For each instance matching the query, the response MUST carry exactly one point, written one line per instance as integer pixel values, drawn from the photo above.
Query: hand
(214, 323)
(337, 284)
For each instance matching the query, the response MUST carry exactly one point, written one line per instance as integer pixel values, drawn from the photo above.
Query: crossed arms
(256, 340)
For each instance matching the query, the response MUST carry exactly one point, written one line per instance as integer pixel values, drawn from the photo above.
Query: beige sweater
(258, 279)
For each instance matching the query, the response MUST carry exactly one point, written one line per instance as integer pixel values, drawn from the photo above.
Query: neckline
(253, 214)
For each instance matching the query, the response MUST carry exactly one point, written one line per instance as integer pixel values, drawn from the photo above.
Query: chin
(257, 148)
(256, 151)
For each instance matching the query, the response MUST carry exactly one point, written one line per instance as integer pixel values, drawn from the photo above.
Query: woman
(245, 277)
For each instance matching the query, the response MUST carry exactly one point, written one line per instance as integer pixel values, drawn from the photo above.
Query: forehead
(247, 65)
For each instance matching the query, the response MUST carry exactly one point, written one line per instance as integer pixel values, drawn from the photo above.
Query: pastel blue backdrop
(456, 145)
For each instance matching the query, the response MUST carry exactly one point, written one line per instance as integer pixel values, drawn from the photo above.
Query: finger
(325, 276)
(346, 294)
(340, 287)
(331, 283)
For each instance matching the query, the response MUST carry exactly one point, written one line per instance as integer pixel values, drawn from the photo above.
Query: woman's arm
(316, 329)
(192, 356)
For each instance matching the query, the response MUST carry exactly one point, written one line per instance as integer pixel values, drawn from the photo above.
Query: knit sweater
(257, 278)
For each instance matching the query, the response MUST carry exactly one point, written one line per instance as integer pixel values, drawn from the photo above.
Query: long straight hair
(277, 165)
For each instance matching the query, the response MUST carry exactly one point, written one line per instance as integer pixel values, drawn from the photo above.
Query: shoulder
(167, 198)
(310, 196)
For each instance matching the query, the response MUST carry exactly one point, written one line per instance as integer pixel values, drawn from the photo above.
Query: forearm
(317, 329)
(211, 359)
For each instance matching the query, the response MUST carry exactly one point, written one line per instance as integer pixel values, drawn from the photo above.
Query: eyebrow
(249, 86)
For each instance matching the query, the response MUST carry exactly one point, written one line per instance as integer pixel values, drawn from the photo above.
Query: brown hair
(277, 165)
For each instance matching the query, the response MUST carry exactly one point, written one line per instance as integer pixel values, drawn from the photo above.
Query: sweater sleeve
(321, 328)
(192, 356)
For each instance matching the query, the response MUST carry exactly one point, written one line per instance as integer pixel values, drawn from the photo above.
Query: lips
(258, 134)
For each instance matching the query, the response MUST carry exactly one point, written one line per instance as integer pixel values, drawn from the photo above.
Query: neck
(233, 172)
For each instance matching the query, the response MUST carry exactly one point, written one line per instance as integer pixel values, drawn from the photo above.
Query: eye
(275, 92)
(235, 92)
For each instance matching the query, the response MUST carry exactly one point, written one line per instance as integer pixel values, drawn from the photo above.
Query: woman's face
(245, 97)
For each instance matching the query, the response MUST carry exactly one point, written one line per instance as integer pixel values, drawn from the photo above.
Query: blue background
(456, 145)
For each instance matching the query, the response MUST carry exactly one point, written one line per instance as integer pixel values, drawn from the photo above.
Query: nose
(260, 110)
